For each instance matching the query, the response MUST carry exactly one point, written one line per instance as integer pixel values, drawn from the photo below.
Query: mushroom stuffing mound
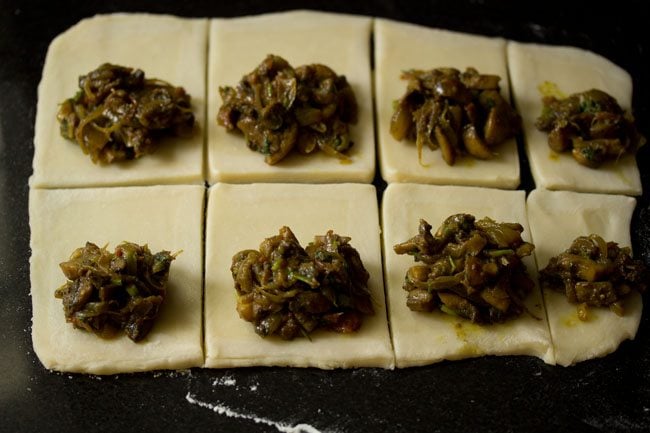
(108, 292)
(289, 291)
(591, 125)
(470, 268)
(118, 114)
(595, 273)
(456, 112)
(279, 108)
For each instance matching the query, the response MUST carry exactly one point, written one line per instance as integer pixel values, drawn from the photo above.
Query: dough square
(240, 217)
(169, 48)
(556, 219)
(164, 217)
(401, 46)
(238, 46)
(572, 70)
(425, 338)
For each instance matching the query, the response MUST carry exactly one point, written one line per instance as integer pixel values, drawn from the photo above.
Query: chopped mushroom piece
(456, 112)
(595, 273)
(471, 269)
(289, 291)
(119, 115)
(279, 108)
(107, 291)
(591, 125)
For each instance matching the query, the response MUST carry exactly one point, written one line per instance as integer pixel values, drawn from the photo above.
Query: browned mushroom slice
(420, 300)
(560, 138)
(497, 297)
(402, 120)
(497, 125)
(474, 144)
(458, 305)
(591, 153)
(280, 145)
(446, 145)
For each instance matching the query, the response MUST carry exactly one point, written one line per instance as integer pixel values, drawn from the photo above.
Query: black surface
(486, 394)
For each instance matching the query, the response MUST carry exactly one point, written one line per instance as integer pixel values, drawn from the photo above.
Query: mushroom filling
(456, 112)
(119, 115)
(108, 292)
(591, 125)
(279, 108)
(289, 291)
(470, 268)
(595, 273)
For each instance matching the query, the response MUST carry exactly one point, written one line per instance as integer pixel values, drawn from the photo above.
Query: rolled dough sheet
(425, 338)
(556, 219)
(238, 45)
(572, 70)
(241, 217)
(164, 217)
(169, 48)
(401, 46)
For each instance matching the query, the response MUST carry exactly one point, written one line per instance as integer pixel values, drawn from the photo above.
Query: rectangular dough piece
(401, 46)
(164, 47)
(556, 219)
(424, 338)
(164, 217)
(239, 45)
(240, 217)
(572, 70)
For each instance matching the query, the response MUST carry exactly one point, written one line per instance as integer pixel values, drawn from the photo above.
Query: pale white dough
(556, 219)
(425, 338)
(401, 46)
(169, 48)
(238, 45)
(164, 217)
(241, 217)
(572, 70)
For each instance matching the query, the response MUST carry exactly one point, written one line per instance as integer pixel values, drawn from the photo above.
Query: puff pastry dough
(556, 219)
(572, 70)
(400, 46)
(238, 45)
(425, 338)
(169, 48)
(241, 217)
(164, 217)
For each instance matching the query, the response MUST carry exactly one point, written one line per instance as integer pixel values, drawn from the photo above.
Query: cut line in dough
(572, 70)
(556, 219)
(401, 46)
(239, 45)
(164, 47)
(164, 217)
(240, 217)
(425, 338)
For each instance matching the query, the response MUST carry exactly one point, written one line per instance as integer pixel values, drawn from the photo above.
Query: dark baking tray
(484, 394)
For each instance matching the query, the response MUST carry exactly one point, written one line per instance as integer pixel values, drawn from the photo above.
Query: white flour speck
(225, 381)
(225, 410)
